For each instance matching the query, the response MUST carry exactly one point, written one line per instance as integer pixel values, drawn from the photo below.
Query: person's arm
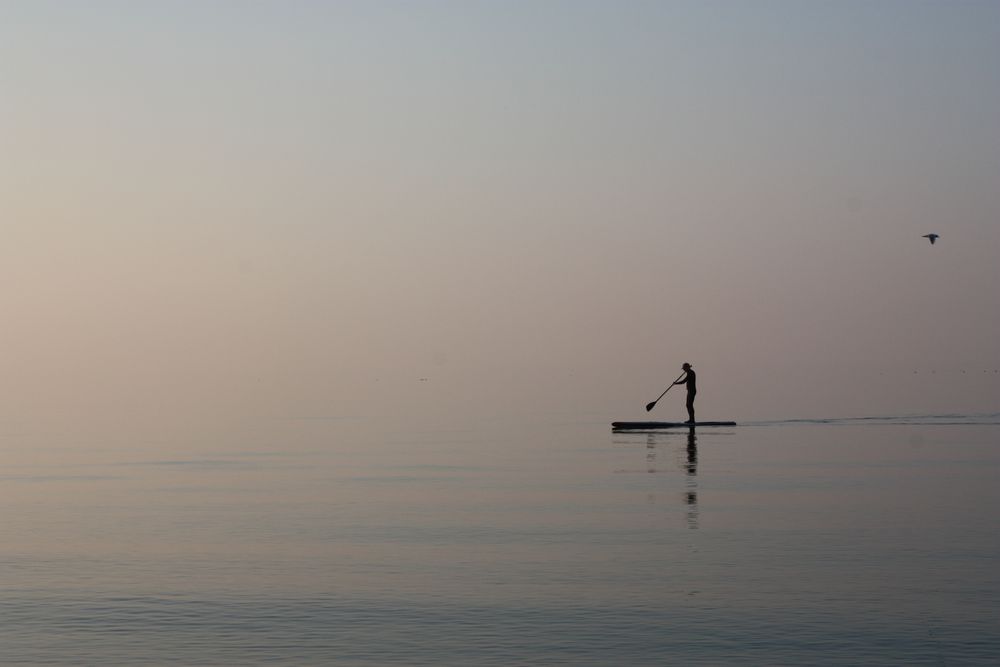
(683, 380)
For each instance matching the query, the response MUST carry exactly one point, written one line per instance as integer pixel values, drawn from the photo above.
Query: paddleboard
(646, 426)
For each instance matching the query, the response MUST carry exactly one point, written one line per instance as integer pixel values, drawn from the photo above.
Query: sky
(331, 209)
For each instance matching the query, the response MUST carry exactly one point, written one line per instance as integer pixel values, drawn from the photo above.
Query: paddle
(649, 406)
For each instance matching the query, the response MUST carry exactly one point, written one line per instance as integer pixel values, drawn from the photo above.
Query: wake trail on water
(989, 419)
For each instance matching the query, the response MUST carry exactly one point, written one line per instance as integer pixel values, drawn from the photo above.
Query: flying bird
(930, 237)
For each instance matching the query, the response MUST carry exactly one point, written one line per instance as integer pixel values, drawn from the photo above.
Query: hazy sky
(303, 208)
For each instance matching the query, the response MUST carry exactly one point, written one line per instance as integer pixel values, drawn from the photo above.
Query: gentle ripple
(782, 544)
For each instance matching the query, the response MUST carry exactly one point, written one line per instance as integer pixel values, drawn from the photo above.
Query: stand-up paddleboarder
(689, 379)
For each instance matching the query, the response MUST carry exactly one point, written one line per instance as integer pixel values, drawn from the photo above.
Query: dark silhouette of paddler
(689, 379)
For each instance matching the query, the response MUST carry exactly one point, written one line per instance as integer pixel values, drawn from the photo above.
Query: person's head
(686, 366)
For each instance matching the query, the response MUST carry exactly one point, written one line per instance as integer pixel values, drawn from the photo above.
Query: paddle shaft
(649, 406)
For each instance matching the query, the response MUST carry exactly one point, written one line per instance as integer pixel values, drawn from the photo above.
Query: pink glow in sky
(305, 208)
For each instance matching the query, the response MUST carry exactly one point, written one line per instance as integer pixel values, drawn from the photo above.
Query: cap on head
(686, 366)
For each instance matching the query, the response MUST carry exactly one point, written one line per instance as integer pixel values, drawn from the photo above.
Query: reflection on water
(688, 455)
(691, 468)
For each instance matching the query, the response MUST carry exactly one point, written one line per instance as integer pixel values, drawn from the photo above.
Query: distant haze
(309, 209)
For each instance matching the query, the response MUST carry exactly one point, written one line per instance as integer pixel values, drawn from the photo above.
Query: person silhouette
(689, 379)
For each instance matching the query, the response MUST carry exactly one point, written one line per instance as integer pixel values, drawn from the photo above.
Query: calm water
(555, 542)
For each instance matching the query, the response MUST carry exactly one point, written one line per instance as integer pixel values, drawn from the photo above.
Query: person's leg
(690, 407)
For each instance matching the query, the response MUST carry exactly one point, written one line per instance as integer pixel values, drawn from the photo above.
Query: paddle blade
(649, 406)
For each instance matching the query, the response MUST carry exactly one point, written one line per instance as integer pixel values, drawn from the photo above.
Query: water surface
(542, 541)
